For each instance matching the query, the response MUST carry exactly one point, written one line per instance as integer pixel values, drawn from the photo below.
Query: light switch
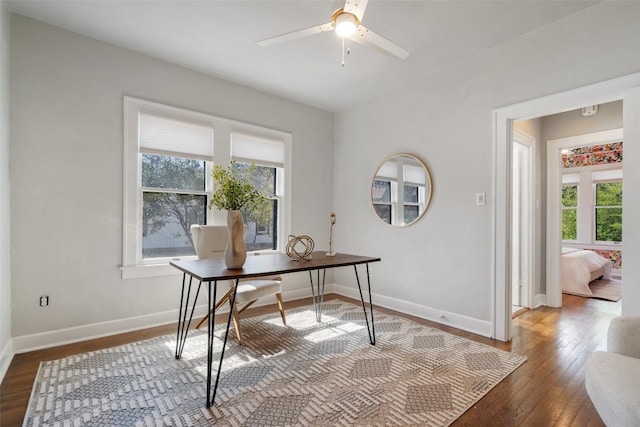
(480, 199)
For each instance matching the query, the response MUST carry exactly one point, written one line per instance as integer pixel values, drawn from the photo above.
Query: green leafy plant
(234, 189)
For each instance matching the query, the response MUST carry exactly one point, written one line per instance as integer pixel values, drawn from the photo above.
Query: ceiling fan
(347, 23)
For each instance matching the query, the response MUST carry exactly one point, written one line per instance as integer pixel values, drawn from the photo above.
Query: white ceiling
(218, 38)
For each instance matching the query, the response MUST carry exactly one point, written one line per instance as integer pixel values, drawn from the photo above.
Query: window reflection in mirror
(401, 190)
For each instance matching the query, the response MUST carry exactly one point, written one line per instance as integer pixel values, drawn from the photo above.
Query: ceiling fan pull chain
(345, 48)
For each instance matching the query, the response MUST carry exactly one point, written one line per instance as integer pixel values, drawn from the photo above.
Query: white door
(520, 224)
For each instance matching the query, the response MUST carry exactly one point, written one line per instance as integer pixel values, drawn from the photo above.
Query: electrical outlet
(44, 300)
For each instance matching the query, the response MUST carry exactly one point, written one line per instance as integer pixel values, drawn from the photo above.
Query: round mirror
(401, 190)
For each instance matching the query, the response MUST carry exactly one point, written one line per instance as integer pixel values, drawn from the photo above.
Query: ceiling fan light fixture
(346, 24)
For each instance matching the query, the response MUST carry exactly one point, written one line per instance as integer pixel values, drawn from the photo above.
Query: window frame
(133, 265)
(207, 192)
(421, 188)
(393, 199)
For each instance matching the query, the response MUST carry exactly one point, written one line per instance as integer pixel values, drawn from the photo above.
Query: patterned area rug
(305, 374)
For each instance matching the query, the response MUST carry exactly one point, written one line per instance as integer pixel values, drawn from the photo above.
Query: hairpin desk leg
(318, 293)
(370, 328)
(183, 323)
(211, 325)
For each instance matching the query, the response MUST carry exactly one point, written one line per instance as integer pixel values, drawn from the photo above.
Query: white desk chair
(209, 242)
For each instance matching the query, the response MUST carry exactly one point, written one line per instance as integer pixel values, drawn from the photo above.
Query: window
(608, 211)
(592, 205)
(169, 155)
(173, 198)
(173, 187)
(569, 212)
(382, 200)
(268, 156)
(262, 224)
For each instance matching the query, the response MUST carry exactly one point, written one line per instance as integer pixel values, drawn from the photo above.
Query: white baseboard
(5, 358)
(25, 343)
(469, 324)
(38, 341)
(539, 300)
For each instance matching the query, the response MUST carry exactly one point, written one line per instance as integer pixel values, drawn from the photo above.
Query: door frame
(503, 118)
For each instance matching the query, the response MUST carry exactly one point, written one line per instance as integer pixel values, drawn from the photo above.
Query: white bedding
(578, 266)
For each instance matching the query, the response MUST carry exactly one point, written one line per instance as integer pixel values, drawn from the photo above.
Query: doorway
(627, 88)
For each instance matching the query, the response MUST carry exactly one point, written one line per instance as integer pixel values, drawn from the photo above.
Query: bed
(579, 268)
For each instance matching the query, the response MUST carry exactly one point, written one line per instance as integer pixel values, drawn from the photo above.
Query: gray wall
(5, 234)
(441, 266)
(67, 185)
(572, 123)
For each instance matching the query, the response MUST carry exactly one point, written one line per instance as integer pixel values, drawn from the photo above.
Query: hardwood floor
(547, 390)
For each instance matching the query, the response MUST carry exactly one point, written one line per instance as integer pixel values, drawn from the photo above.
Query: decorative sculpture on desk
(332, 221)
(294, 253)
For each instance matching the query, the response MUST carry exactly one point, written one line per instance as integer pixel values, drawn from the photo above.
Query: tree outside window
(608, 211)
(173, 198)
(569, 212)
(262, 223)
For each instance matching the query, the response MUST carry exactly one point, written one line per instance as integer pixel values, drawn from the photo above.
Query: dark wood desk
(210, 271)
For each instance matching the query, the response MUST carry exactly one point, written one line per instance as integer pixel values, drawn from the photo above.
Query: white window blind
(607, 175)
(414, 174)
(252, 149)
(570, 178)
(161, 135)
(388, 170)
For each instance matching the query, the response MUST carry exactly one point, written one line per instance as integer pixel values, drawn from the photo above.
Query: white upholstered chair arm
(623, 336)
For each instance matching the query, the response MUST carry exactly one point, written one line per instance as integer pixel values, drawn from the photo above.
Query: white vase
(235, 253)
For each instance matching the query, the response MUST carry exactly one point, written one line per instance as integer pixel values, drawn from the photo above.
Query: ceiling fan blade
(356, 7)
(367, 37)
(317, 29)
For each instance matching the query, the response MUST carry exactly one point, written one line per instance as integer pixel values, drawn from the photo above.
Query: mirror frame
(428, 183)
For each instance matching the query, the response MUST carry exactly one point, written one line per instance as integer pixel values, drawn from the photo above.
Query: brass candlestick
(332, 222)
